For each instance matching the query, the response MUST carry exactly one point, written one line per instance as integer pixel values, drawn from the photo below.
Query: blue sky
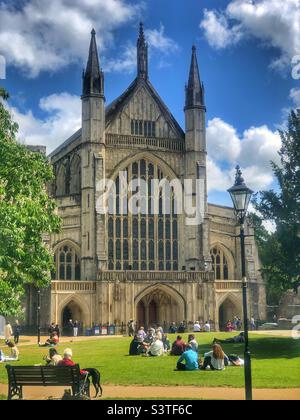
(244, 51)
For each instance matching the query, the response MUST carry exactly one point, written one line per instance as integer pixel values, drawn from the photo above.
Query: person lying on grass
(188, 360)
(234, 340)
(215, 359)
(14, 353)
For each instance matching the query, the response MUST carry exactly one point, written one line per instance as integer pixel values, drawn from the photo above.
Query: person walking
(8, 332)
(17, 332)
(75, 329)
(57, 330)
(131, 328)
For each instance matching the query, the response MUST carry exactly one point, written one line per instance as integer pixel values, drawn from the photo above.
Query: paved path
(173, 392)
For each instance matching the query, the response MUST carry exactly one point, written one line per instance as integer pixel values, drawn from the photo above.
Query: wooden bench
(20, 376)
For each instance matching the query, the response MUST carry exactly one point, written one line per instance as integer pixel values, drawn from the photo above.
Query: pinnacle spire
(93, 79)
(142, 54)
(194, 89)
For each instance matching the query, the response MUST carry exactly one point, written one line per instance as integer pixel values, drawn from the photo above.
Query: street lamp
(241, 195)
(39, 316)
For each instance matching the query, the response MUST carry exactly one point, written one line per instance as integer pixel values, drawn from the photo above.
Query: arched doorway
(227, 311)
(153, 313)
(141, 313)
(72, 311)
(159, 305)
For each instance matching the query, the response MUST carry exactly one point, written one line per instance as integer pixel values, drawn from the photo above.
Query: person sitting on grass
(178, 346)
(234, 340)
(193, 343)
(52, 341)
(134, 346)
(53, 359)
(14, 353)
(190, 359)
(141, 334)
(166, 343)
(156, 348)
(150, 337)
(215, 359)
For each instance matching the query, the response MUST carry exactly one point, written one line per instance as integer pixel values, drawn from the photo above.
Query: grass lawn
(275, 363)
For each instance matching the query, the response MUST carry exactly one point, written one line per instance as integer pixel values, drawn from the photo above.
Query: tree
(281, 251)
(26, 214)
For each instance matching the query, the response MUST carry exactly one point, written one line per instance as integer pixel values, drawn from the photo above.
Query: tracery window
(143, 128)
(143, 241)
(67, 264)
(219, 264)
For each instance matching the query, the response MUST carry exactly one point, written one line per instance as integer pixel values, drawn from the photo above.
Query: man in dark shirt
(234, 340)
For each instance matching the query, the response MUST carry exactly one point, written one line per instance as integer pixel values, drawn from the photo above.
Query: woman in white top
(156, 348)
(215, 359)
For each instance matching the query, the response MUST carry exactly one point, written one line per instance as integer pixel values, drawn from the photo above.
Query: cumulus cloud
(62, 118)
(217, 30)
(222, 140)
(275, 23)
(253, 150)
(40, 35)
(295, 97)
(158, 42)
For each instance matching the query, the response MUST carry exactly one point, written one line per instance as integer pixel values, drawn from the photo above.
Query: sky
(247, 50)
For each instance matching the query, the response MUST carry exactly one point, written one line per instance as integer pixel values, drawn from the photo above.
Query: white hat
(68, 352)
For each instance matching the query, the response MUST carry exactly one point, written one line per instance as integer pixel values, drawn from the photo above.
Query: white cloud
(217, 30)
(126, 63)
(158, 43)
(157, 40)
(63, 118)
(295, 97)
(41, 35)
(222, 141)
(218, 179)
(275, 23)
(254, 151)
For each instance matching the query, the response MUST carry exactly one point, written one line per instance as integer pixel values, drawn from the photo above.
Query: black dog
(95, 375)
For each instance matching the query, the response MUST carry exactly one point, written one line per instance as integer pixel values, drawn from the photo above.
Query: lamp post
(241, 195)
(39, 316)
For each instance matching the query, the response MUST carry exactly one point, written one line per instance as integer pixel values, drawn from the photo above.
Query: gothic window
(219, 264)
(61, 181)
(144, 241)
(67, 264)
(75, 175)
(143, 128)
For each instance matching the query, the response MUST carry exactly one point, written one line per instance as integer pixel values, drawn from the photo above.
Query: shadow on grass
(263, 348)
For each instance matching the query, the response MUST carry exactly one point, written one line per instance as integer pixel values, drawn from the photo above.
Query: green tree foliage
(280, 251)
(26, 215)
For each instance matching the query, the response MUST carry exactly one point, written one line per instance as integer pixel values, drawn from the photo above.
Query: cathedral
(154, 268)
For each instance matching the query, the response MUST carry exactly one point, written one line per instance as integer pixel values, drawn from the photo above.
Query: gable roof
(113, 109)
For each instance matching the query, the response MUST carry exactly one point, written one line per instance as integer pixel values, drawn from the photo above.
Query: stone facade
(172, 271)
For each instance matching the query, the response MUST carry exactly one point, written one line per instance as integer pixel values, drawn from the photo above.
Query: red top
(69, 362)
